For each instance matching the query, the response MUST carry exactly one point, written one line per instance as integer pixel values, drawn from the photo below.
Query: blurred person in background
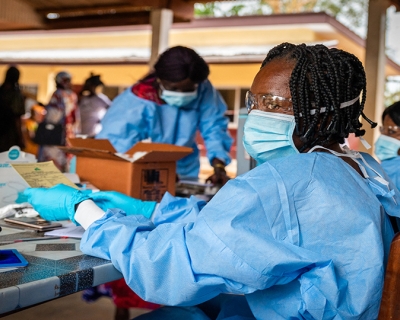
(12, 107)
(93, 105)
(170, 105)
(30, 124)
(62, 116)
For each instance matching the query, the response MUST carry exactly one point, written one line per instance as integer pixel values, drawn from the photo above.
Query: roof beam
(94, 10)
(17, 14)
(125, 19)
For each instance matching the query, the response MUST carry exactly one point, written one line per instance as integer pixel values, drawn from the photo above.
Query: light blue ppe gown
(302, 237)
(392, 168)
(131, 119)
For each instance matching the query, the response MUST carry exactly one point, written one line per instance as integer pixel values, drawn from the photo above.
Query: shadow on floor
(71, 307)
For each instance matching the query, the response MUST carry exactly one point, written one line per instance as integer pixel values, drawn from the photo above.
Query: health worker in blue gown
(304, 235)
(387, 147)
(170, 105)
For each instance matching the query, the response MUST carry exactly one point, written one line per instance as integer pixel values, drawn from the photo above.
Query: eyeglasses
(389, 130)
(268, 102)
(176, 88)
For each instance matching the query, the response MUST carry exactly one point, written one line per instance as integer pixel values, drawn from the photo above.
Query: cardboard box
(12, 185)
(146, 171)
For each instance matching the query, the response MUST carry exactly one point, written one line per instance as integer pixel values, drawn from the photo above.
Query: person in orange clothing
(29, 127)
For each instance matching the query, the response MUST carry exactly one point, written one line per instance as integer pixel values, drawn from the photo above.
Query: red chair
(390, 304)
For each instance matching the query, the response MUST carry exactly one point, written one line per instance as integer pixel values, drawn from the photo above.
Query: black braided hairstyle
(324, 77)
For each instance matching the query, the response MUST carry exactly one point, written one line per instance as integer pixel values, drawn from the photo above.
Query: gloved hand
(113, 199)
(55, 203)
(219, 178)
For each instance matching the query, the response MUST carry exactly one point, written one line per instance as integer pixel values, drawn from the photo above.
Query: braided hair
(324, 78)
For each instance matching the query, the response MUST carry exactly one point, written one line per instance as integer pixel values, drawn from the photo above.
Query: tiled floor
(71, 307)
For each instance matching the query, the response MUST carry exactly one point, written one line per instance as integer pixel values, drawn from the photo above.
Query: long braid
(324, 78)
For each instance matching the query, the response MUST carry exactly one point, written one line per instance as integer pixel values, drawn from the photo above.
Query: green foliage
(205, 9)
(392, 92)
(229, 8)
(235, 10)
(354, 11)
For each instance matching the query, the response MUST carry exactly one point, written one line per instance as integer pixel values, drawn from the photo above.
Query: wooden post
(375, 61)
(161, 22)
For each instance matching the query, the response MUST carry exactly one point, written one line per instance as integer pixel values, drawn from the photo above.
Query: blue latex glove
(113, 199)
(56, 203)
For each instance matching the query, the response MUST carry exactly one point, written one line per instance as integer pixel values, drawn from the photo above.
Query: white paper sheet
(69, 231)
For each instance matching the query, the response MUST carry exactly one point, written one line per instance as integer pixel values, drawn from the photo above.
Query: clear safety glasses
(178, 89)
(268, 102)
(390, 130)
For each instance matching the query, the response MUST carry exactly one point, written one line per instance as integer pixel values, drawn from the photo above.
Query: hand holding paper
(56, 203)
(42, 174)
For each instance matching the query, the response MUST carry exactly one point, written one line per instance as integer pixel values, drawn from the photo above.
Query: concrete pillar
(375, 61)
(161, 22)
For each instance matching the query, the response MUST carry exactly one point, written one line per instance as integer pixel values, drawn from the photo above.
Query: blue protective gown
(302, 237)
(392, 168)
(131, 119)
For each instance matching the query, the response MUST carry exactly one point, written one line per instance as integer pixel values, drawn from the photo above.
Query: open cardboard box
(146, 171)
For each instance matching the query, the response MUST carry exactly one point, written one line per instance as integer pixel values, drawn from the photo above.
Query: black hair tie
(372, 123)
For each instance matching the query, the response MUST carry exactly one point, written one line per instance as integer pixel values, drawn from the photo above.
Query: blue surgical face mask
(268, 135)
(386, 147)
(178, 99)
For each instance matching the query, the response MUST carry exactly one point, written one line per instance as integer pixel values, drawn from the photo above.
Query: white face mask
(386, 147)
(178, 99)
(269, 135)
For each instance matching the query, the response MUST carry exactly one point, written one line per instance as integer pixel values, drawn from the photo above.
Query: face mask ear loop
(379, 177)
(365, 143)
(349, 154)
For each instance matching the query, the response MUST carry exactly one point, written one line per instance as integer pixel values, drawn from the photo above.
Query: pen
(29, 239)
(12, 226)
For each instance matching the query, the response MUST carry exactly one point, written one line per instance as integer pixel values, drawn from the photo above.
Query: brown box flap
(159, 152)
(96, 144)
(146, 146)
(102, 149)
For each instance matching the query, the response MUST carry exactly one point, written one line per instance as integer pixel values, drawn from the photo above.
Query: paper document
(42, 174)
(70, 231)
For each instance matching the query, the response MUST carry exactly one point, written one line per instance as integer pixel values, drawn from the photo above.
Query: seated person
(170, 105)
(304, 235)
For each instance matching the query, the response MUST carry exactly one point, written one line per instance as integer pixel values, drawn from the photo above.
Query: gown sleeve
(128, 120)
(214, 124)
